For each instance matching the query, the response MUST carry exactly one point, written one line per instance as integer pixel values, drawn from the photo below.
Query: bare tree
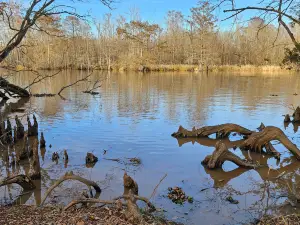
(26, 19)
(285, 11)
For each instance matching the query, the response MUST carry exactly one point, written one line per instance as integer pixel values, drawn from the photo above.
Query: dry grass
(249, 68)
(293, 219)
(196, 68)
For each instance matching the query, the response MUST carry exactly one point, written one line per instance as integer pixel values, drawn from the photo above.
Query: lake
(134, 116)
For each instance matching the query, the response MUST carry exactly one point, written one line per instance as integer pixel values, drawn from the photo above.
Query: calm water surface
(134, 116)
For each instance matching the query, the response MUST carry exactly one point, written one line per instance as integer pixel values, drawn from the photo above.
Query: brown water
(134, 116)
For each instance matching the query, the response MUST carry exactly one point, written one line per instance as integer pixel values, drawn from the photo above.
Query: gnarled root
(221, 154)
(221, 131)
(133, 213)
(71, 176)
(22, 180)
(259, 140)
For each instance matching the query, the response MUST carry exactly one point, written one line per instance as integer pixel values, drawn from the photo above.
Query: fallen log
(221, 131)
(11, 88)
(221, 154)
(259, 140)
(71, 176)
(22, 180)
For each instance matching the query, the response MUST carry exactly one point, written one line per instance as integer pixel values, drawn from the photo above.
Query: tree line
(74, 42)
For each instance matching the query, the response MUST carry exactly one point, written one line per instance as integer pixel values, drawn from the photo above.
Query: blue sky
(153, 11)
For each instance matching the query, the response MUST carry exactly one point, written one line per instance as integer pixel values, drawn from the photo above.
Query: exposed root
(259, 140)
(71, 176)
(22, 180)
(221, 131)
(221, 154)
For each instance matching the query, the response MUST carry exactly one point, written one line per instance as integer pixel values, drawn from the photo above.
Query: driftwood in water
(42, 141)
(22, 180)
(91, 158)
(259, 140)
(221, 154)
(71, 176)
(35, 168)
(221, 131)
(20, 128)
(11, 88)
(255, 141)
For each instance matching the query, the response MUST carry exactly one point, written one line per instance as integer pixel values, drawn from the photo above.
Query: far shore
(173, 68)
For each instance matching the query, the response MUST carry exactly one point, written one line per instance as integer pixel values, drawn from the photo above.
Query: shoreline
(171, 68)
(53, 214)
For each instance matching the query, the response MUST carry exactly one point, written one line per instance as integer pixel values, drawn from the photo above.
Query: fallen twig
(154, 191)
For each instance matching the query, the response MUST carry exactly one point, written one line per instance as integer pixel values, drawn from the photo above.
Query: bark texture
(259, 140)
(222, 130)
(221, 154)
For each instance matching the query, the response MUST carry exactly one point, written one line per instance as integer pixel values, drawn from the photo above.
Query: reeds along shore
(178, 68)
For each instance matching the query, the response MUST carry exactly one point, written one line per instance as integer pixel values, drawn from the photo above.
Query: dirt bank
(54, 215)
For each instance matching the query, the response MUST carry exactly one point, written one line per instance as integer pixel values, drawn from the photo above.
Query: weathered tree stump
(90, 158)
(35, 127)
(296, 115)
(42, 141)
(259, 140)
(221, 131)
(20, 128)
(130, 184)
(55, 156)
(8, 127)
(15, 134)
(32, 129)
(35, 170)
(287, 118)
(221, 154)
(24, 151)
(29, 127)
(66, 156)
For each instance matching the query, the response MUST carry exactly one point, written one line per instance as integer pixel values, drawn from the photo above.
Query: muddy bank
(54, 215)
